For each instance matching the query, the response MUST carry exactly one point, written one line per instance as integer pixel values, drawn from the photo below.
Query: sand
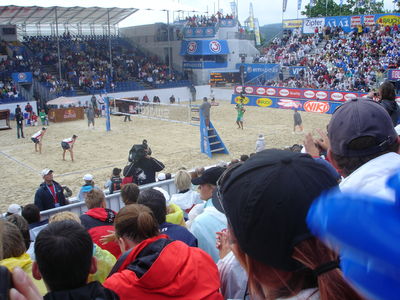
(97, 151)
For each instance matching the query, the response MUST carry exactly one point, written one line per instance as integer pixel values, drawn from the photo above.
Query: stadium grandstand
(235, 225)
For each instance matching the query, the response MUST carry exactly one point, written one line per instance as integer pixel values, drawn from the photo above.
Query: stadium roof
(17, 15)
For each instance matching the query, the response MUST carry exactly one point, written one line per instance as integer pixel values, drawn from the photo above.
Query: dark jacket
(93, 290)
(149, 166)
(98, 222)
(44, 199)
(179, 233)
(392, 108)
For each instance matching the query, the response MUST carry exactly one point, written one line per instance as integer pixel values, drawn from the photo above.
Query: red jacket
(160, 269)
(98, 222)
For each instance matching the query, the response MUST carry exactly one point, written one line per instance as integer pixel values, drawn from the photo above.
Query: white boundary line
(20, 162)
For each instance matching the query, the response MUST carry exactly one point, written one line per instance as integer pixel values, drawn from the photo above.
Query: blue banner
(343, 21)
(270, 71)
(23, 77)
(204, 47)
(295, 71)
(227, 23)
(316, 106)
(204, 64)
(199, 32)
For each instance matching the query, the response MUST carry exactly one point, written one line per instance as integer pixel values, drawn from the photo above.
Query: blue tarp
(204, 47)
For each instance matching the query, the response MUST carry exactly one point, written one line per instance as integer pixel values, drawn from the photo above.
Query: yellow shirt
(25, 263)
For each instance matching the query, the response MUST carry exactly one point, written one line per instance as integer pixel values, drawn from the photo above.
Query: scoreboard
(223, 78)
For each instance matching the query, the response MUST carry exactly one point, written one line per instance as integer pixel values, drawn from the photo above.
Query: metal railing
(113, 201)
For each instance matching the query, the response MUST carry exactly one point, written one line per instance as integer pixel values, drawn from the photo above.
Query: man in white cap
(14, 209)
(50, 193)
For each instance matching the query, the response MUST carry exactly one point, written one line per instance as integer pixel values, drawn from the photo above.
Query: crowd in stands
(205, 21)
(237, 230)
(354, 61)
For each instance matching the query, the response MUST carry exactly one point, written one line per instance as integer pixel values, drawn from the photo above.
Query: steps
(210, 141)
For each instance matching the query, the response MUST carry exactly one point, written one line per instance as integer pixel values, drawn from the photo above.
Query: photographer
(143, 167)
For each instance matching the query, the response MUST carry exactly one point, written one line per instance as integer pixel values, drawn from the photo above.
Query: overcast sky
(267, 11)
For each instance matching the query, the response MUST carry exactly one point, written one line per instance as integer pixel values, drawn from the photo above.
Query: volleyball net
(177, 113)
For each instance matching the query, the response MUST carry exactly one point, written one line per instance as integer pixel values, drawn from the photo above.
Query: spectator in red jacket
(98, 220)
(155, 267)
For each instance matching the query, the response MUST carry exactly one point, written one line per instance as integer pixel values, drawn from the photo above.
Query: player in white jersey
(37, 139)
(68, 145)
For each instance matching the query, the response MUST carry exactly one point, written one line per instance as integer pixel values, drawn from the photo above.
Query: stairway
(210, 141)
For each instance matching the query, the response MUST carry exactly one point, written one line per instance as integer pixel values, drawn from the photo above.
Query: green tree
(323, 8)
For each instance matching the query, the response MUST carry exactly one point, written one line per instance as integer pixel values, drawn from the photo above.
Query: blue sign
(23, 77)
(204, 47)
(343, 21)
(193, 65)
(227, 23)
(204, 64)
(199, 32)
(295, 71)
(270, 71)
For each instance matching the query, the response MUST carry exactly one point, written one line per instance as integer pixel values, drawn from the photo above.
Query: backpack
(136, 153)
(136, 173)
(116, 183)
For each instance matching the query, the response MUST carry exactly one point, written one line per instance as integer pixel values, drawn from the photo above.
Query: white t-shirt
(37, 135)
(68, 140)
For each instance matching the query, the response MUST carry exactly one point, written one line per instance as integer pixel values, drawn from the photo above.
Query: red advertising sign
(260, 91)
(355, 21)
(271, 91)
(238, 89)
(316, 106)
(369, 20)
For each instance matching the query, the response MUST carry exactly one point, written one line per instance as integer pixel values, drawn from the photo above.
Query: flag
(284, 5)
(298, 4)
(312, 3)
(341, 3)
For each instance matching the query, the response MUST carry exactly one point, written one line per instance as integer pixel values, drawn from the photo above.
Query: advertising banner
(369, 20)
(315, 106)
(294, 71)
(199, 32)
(23, 77)
(342, 21)
(305, 94)
(227, 23)
(292, 23)
(204, 47)
(270, 71)
(355, 21)
(310, 24)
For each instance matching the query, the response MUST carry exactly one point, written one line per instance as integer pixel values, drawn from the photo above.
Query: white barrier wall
(180, 94)
(13, 106)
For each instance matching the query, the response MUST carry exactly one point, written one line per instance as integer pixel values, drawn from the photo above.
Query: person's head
(295, 110)
(208, 181)
(129, 193)
(31, 213)
(47, 175)
(359, 131)
(116, 172)
(64, 216)
(23, 227)
(205, 99)
(63, 253)
(387, 91)
(12, 241)
(144, 142)
(182, 180)
(274, 245)
(133, 224)
(95, 199)
(244, 157)
(88, 178)
(44, 129)
(154, 200)
(42, 110)
(74, 137)
(14, 209)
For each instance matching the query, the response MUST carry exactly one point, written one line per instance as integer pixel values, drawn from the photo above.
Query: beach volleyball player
(68, 145)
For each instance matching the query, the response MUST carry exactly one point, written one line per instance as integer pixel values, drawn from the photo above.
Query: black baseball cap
(360, 117)
(209, 176)
(266, 201)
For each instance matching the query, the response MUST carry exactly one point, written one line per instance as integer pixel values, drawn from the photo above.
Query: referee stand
(210, 141)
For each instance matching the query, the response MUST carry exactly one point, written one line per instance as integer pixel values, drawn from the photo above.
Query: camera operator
(150, 166)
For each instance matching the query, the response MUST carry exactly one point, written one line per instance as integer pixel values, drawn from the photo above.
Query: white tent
(65, 101)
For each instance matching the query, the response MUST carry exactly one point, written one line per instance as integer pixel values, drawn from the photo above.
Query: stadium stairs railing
(113, 201)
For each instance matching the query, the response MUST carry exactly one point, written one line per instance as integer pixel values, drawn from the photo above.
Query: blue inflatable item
(365, 230)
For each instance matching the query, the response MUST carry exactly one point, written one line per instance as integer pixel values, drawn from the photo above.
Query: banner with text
(306, 94)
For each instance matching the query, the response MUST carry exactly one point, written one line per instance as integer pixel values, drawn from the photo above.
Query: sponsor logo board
(310, 24)
(264, 102)
(336, 96)
(245, 101)
(288, 103)
(260, 91)
(271, 92)
(316, 106)
(248, 90)
(349, 96)
(322, 95)
(309, 94)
